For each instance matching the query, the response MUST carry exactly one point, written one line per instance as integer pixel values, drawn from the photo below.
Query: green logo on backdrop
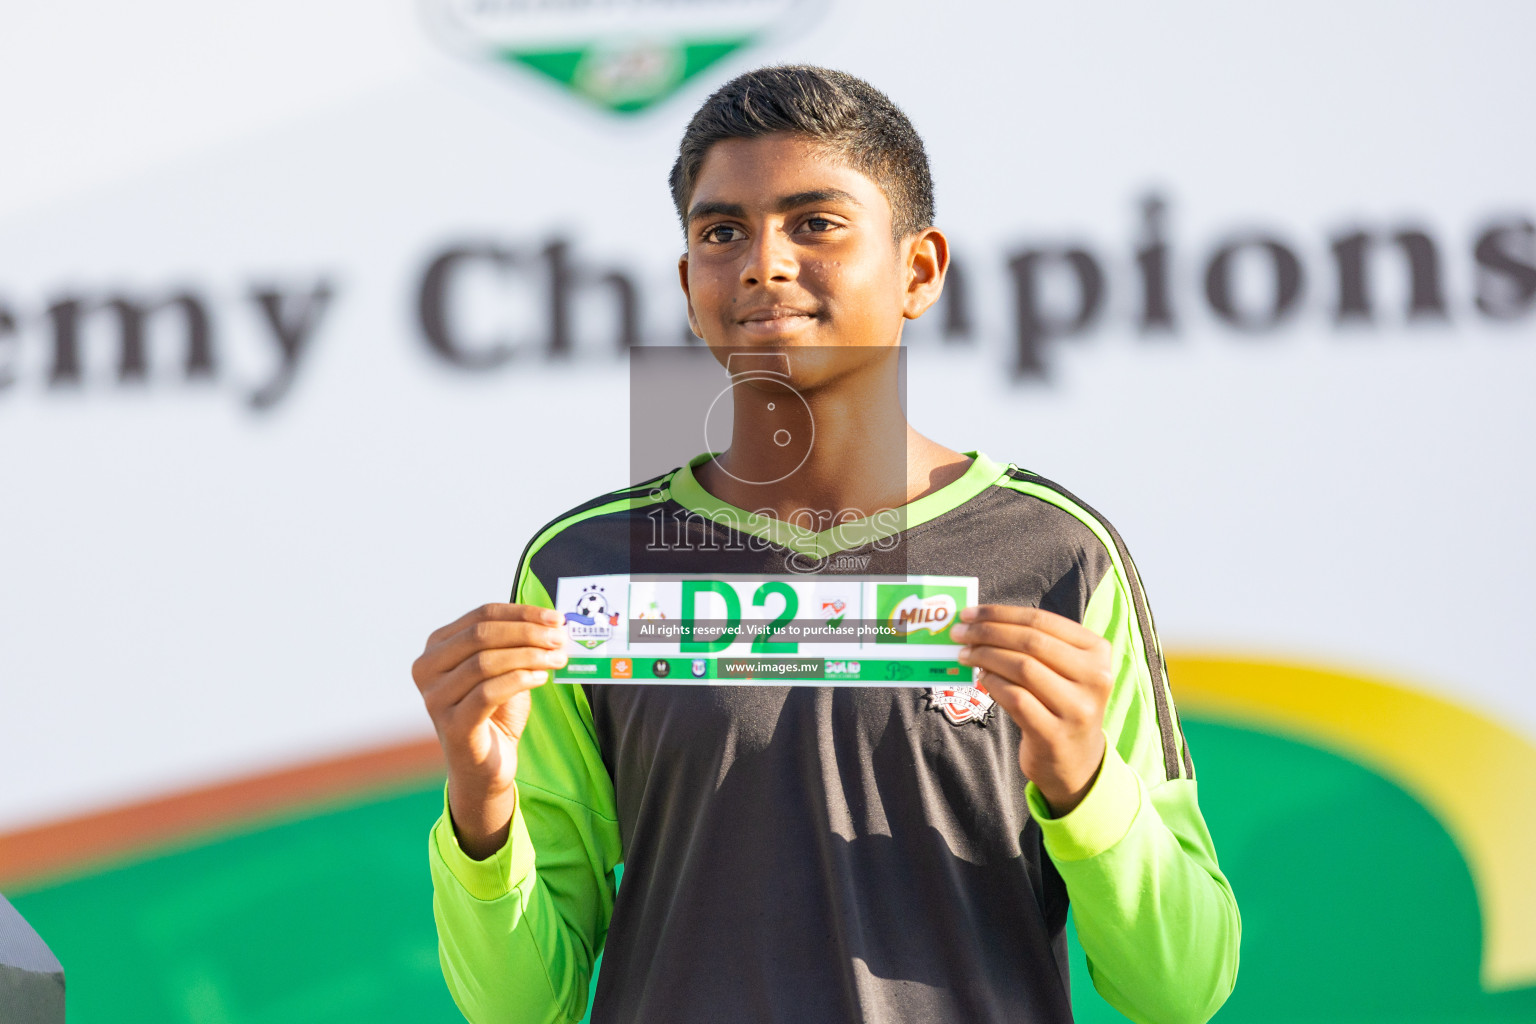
(623, 55)
(919, 614)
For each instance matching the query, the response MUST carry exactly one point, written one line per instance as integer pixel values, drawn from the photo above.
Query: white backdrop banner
(285, 383)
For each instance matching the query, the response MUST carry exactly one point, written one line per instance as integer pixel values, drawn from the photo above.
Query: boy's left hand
(1054, 678)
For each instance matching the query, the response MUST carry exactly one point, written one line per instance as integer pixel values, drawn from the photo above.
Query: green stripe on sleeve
(519, 934)
(1142, 637)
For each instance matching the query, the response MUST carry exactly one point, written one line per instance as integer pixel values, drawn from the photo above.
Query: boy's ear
(682, 277)
(926, 255)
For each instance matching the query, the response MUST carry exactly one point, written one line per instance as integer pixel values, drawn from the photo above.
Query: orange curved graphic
(61, 848)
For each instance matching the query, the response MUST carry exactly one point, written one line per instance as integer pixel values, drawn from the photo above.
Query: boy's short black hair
(856, 122)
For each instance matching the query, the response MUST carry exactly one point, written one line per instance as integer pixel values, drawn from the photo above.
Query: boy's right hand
(474, 678)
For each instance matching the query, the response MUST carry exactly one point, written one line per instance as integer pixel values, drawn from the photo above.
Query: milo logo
(930, 613)
(918, 613)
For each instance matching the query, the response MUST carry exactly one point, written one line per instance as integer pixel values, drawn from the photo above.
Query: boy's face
(789, 247)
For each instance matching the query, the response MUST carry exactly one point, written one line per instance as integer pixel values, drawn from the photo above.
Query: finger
(1066, 659)
(1054, 692)
(494, 612)
(1059, 626)
(1033, 718)
(482, 665)
(485, 634)
(489, 694)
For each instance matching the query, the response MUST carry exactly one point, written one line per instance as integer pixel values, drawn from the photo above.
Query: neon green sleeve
(1156, 917)
(518, 932)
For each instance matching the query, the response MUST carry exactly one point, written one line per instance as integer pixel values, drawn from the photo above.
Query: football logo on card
(591, 624)
(961, 704)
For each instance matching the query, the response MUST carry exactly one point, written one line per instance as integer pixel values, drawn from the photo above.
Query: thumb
(511, 718)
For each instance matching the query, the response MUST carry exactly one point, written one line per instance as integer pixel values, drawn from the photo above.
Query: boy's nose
(770, 259)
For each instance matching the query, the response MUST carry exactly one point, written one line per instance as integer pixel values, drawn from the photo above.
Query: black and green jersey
(840, 854)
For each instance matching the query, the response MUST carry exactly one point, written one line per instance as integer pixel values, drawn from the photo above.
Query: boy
(816, 853)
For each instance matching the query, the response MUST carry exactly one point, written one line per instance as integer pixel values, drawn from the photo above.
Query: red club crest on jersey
(961, 704)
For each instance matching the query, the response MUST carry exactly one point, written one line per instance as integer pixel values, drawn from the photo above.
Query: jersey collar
(686, 491)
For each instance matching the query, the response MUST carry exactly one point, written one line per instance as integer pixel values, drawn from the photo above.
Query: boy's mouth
(775, 319)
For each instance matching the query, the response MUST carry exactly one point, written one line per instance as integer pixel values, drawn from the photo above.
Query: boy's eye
(820, 224)
(721, 233)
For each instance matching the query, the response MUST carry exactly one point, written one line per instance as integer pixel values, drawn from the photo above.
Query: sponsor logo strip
(768, 670)
(826, 629)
